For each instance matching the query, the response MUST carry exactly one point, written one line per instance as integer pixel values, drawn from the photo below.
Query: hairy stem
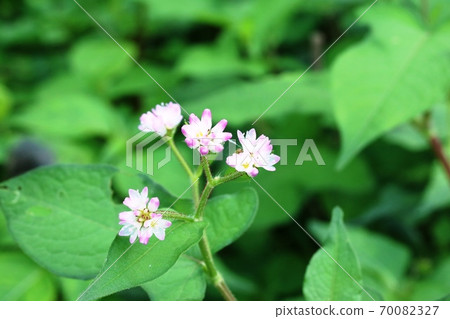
(206, 169)
(223, 179)
(192, 176)
(203, 200)
(211, 269)
(175, 215)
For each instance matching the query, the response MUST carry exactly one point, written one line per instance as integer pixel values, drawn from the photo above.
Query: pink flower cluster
(142, 221)
(199, 134)
(255, 153)
(161, 119)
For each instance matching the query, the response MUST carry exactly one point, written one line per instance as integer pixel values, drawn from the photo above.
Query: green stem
(175, 215)
(206, 169)
(216, 181)
(192, 176)
(227, 178)
(203, 200)
(212, 271)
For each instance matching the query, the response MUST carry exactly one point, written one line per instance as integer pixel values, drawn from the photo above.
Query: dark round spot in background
(27, 155)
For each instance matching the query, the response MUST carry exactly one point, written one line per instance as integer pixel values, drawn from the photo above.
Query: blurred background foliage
(69, 94)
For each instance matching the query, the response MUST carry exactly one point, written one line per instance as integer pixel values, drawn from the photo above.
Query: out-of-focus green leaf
(324, 278)
(186, 280)
(74, 115)
(357, 178)
(100, 58)
(23, 280)
(383, 261)
(62, 216)
(162, 10)
(308, 96)
(215, 62)
(399, 71)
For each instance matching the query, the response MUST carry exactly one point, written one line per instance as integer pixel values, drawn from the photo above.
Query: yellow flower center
(144, 215)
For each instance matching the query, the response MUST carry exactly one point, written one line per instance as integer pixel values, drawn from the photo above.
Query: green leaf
(309, 97)
(100, 58)
(229, 216)
(324, 278)
(383, 261)
(23, 280)
(62, 216)
(71, 115)
(161, 10)
(398, 72)
(221, 60)
(184, 281)
(129, 265)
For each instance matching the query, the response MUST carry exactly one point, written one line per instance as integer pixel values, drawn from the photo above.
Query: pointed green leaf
(129, 265)
(324, 278)
(186, 280)
(398, 72)
(383, 261)
(62, 216)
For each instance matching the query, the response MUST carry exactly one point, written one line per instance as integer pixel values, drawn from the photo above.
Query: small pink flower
(199, 134)
(161, 119)
(156, 225)
(256, 153)
(142, 221)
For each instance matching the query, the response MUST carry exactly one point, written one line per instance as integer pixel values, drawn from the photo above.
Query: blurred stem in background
(426, 128)
(425, 5)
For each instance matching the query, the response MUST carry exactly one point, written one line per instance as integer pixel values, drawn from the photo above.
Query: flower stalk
(175, 215)
(192, 176)
(212, 271)
(145, 219)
